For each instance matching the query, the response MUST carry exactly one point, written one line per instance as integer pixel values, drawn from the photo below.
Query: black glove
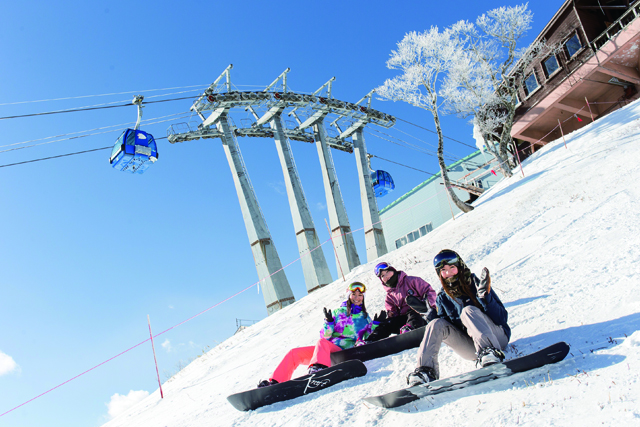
(432, 314)
(328, 315)
(380, 317)
(417, 304)
(485, 284)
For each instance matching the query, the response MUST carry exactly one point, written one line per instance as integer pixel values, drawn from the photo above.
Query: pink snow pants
(320, 353)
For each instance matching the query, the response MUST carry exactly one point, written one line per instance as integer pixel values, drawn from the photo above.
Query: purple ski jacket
(395, 303)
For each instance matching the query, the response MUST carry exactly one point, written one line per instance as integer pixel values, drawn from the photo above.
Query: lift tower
(309, 110)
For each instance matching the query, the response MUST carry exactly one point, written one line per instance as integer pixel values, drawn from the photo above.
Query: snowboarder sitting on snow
(399, 317)
(470, 319)
(344, 327)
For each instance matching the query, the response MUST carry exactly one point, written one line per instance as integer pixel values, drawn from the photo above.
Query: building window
(530, 84)
(550, 65)
(573, 45)
(401, 242)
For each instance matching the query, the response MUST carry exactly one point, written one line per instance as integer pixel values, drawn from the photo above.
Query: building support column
(275, 288)
(373, 234)
(314, 265)
(345, 248)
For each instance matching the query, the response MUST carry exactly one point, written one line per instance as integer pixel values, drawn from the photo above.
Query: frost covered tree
(424, 60)
(485, 84)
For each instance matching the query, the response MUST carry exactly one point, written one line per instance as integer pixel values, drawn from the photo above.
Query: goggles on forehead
(445, 258)
(357, 286)
(380, 268)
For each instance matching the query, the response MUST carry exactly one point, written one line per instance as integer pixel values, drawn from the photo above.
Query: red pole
(590, 112)
(565, 142)
(518, 156)
(154, 357)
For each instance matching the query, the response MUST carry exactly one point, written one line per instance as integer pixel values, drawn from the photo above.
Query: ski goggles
(357, 286)
(445, 258)
(380, 268)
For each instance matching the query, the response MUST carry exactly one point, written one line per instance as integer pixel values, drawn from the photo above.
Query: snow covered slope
(563, 248)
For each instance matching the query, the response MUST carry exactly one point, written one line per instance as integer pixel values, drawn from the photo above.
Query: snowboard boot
(489, 356)
(421, 375)
(316, 367)
(266, 383)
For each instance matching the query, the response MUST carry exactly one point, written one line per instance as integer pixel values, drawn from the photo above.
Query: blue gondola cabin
(382, 183)
(134, 151)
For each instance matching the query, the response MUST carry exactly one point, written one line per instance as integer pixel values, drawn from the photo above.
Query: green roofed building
(427, 206)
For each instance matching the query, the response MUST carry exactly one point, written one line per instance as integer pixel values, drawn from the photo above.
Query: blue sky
(88, 252)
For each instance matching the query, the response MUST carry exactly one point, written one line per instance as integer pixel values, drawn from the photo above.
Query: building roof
(425, 183)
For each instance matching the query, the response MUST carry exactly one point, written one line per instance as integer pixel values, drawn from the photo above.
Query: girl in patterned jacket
(345, 327)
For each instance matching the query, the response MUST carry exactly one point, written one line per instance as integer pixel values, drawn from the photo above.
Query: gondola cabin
(134, 151)
(382, 183)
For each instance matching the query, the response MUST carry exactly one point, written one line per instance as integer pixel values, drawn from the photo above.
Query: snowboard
(551, 354)
(384, 347)
(252, 399)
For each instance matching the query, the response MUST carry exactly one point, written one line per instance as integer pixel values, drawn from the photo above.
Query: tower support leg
(373, 234)
(314, 264)
(346, 254)
(275, 287)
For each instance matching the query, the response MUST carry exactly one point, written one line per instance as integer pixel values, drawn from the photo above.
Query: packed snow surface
(562, 244)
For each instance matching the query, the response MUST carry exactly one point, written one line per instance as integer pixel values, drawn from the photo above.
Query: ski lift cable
(432, 131)
(418, 149)
(73, 110)
(451, 156)
(103, 94)
(86, 135)
(425, 142)
(401, 164)
(146, 121)
(415, 148)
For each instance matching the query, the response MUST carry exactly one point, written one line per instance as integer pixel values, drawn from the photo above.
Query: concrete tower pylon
(275, 287)
(373, 234)
(345, 248)
(314, 264)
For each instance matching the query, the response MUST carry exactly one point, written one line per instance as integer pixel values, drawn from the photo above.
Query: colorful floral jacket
(346, 330)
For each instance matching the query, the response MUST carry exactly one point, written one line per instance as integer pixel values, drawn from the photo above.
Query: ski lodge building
(593, 71)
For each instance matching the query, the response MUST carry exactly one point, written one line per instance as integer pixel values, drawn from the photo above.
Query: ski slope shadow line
(547, 375)
(584, 338)
(515, 184)
(522, 301)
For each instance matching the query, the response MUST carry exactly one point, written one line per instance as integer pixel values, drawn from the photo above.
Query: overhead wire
(151, 122)
(444, 136)
(103, 94)
(145, 121)
(413, 146)
(401, 164)
(74, 110)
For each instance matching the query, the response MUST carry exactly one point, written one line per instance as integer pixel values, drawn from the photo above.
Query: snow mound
(632, 340)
